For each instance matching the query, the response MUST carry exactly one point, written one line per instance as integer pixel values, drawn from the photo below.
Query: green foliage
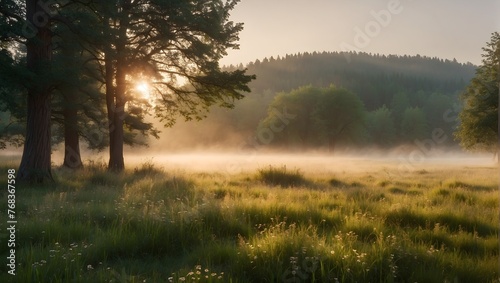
(339, 116)
(398, 82)
(311, 116)
(296, 130)
(437, 108)
(478, 129)
(374, 78)
(413, 125)
(399, 104)
(176, 49)
(380, 126)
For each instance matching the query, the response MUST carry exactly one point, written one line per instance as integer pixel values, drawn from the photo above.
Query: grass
(148, 225)
(280, 176)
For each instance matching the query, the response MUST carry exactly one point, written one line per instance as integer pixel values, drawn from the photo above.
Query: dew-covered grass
(271, 225)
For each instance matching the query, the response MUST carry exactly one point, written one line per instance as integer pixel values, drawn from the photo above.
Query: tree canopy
(310, 116)
(175, 47)
(108, 48)
(478, 128)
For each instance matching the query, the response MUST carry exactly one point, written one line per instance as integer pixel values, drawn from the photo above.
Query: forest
(391, 92)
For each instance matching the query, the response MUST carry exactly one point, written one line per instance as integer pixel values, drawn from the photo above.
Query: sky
(446, 29)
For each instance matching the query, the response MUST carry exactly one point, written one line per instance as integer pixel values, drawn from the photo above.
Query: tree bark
(115, 118)
(117, 104)
(116, 160)
(35, 164)
(72, 156)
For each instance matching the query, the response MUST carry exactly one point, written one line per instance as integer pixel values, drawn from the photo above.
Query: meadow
(275, 223)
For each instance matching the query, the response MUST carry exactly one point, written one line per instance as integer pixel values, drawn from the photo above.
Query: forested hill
(374, 78)
(398, 93)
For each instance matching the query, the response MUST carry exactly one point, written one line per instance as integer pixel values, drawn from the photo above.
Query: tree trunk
(118, 101)
(115, 119)
(116, 161)
(36, 160)
(72, 156)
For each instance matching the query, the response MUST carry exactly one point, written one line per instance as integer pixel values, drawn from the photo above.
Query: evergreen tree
(176, 45)
(78, 101)
(29, 23)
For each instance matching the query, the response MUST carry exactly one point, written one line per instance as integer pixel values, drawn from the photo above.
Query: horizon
(282, 56)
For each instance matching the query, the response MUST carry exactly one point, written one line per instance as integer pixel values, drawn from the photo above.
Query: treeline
(404, 98)
(374, 78)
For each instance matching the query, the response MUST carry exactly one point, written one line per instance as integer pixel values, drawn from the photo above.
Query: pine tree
(176, 45)
(30, 24)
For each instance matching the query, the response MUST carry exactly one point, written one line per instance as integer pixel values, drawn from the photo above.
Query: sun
(143, 89)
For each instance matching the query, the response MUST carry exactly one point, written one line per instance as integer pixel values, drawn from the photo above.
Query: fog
(317, 162)
(233, 163)
(215, 148)
(313, 162)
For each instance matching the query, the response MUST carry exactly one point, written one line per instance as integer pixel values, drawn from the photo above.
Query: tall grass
(280, 176)
(147, 225)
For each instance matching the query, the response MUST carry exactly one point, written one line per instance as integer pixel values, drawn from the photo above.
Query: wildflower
(90, 267)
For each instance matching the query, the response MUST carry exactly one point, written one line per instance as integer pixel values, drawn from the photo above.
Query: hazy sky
(443, 28)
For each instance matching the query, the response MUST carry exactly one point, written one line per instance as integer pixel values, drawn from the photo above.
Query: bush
(279, 176)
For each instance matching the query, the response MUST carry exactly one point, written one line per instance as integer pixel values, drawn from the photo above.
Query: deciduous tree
(479, 127)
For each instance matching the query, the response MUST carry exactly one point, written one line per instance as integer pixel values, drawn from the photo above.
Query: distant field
(245, 218)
